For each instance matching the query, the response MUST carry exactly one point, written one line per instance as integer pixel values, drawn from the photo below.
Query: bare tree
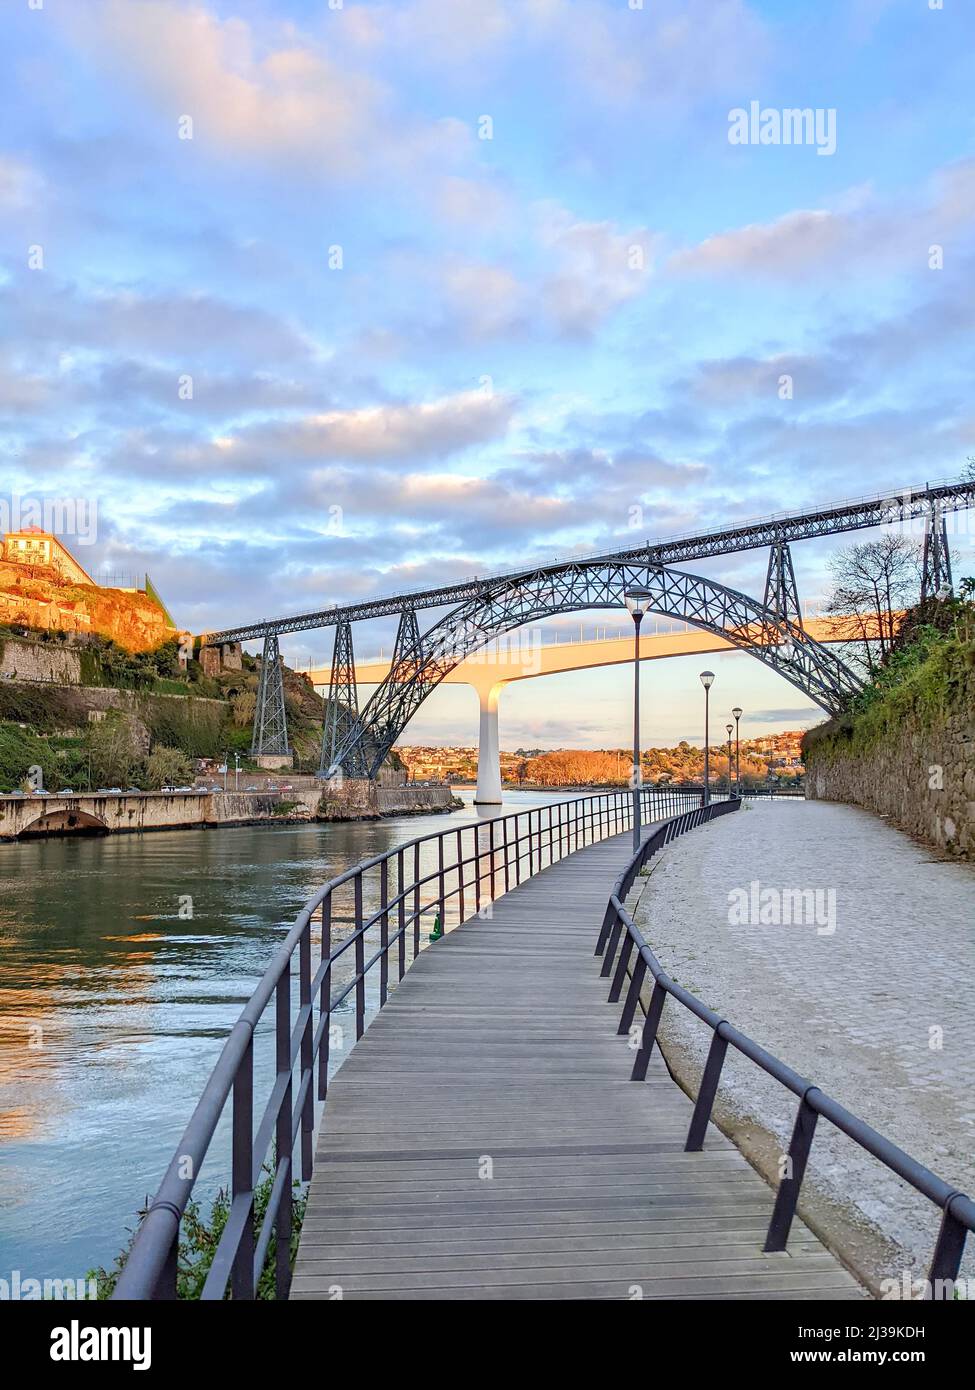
(872, 583)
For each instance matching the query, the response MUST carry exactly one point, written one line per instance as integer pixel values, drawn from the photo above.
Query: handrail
(430, 873)
(957, 1208)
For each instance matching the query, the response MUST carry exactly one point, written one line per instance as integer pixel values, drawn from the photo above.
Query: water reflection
(123, 964)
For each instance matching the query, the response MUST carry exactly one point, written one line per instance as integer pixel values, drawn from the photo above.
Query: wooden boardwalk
(483, 1139)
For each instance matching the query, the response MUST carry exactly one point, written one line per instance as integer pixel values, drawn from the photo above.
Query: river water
(114, 1006)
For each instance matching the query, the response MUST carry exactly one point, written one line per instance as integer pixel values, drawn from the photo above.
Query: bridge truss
(775, 639)
(771, 630)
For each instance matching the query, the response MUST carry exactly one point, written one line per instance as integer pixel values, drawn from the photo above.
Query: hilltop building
(32, 546)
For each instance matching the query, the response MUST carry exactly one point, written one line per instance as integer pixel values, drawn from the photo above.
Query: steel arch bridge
(419, 665)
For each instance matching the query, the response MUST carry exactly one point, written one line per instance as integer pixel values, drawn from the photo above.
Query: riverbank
(37, 817)
(864, 1000)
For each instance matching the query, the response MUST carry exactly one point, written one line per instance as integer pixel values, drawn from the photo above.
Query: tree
(244, 706)
(871, 582)
(168, 767)
(116, 750)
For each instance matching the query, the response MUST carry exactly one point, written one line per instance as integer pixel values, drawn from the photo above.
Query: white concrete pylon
(488, 746)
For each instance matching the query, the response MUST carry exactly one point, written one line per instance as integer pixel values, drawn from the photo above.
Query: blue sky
(569, 334)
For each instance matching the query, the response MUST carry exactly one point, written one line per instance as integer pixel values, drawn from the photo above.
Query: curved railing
(620, 934)
(445, 873)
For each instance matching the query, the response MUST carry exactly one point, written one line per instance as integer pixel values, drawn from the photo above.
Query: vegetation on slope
(926, 673)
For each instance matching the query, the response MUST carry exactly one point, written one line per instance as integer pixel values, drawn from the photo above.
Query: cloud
(869, 236)
(261, 95)
(19, 184)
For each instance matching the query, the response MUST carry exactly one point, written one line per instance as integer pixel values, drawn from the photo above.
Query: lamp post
(737, 713)
(729, 728)
(637, 602)
(707, 680)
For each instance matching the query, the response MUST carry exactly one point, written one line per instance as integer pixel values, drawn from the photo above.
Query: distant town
(772, 756)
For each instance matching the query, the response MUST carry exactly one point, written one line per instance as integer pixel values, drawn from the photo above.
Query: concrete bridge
(100, 813)
(522, 655)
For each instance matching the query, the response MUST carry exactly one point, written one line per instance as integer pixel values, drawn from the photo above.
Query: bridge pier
(488, 748)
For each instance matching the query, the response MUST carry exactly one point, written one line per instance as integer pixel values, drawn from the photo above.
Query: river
(114, 1006)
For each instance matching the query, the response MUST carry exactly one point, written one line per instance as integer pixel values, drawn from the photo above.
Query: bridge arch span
(509, 603)
(64, 821)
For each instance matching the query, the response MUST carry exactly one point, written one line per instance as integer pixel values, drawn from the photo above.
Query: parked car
(250, 789)
(133, 791)
(167, 789)
(39, 791)
(67, 791)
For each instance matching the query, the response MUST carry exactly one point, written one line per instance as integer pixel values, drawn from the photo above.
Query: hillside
(905, 748)
(38, 597)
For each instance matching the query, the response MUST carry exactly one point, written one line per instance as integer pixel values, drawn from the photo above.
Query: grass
(923, 680)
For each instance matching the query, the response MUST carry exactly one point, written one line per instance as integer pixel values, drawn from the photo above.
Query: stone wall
(39, 661)
(921, 777)
(355, 798)
(150, 811)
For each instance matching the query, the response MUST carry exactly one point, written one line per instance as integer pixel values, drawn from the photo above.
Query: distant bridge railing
(380, 906)
(619, 933)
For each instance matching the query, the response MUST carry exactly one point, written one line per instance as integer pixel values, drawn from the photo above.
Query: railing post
(416, 900)
(460, 876)
(507, 871)
(531, 857)
(706, 1093)
(242, 1172)
(282, 1135)
(441, 883)
(383, 931)
(476, 844)
(306, 1058)
(632, 995)
(624, 960)
(788, 1194)
(491, 825)
(360, 961)
(946, 1260)
(401, 912)
(652, 1022)
(325, 998)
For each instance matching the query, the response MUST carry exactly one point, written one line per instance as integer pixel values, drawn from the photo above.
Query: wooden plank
(483, 1139)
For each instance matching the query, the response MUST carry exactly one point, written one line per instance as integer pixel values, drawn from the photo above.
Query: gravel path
(857, 1009)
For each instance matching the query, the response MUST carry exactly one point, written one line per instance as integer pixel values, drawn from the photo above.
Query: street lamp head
(707, 679)
(737, 711)
(638, 600)
(730, 728)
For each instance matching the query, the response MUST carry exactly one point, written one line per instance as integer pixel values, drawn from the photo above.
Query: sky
(319, 301)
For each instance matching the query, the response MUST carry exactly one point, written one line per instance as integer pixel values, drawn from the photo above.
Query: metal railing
(457, 870)
(957, 1208)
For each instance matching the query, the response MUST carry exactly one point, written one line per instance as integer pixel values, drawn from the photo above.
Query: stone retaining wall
(921, 778)
(39, 661)
(186, 811)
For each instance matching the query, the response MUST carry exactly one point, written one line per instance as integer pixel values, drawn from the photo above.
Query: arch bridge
(484, 609)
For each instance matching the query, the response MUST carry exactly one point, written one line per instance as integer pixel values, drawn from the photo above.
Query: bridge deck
(498, 1046)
